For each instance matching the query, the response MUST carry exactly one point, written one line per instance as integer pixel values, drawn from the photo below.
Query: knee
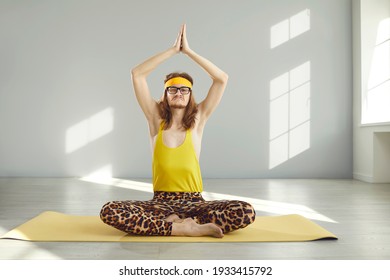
(249, 212)
(113, 214)
(107, 211)
(246, 212)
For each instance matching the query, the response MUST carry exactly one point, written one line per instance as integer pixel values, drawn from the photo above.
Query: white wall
(375, 61)
(67, 106)
(371, 142)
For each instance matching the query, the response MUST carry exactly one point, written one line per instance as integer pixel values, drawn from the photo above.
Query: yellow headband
(178, 80)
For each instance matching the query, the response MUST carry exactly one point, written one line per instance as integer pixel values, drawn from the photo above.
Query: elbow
(134, 72)
(223, 78)
(137, 73)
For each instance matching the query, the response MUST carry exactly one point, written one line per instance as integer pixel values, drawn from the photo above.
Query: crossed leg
(202, 218)
(228, 215)
(188, 227)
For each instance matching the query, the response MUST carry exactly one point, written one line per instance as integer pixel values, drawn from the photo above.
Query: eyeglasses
(183, 90)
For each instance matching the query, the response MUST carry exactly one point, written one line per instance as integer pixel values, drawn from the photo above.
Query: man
(176, 125)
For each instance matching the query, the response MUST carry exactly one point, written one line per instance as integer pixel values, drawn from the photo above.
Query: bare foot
(174, 219)
(190, 228)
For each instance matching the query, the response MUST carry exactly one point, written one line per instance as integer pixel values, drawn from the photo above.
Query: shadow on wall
(289, 133)
(89, 130)
(80, 137)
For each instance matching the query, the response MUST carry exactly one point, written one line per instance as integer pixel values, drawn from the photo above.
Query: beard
(177, 105)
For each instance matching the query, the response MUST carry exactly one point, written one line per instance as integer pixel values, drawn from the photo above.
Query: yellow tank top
(176, 169)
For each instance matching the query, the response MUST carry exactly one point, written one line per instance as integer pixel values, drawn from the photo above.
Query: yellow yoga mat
(54, 226)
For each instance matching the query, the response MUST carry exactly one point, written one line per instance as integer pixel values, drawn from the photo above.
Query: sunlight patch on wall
(290, 28)
(376, 104)
(89, 130)
(289, 115)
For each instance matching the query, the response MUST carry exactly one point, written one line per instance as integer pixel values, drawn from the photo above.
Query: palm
(181, 43)
(185, 46)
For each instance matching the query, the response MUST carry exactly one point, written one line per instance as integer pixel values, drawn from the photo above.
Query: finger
(184, 30)
(179, 38)
(180, 34)
(181, 30)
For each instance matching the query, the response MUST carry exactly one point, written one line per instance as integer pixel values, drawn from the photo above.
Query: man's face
(178, 96)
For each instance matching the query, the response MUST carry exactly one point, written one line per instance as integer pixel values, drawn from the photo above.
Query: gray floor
(358, 213)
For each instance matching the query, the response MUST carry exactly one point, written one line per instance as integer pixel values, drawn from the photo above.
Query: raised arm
(139, 74)
(220, 78)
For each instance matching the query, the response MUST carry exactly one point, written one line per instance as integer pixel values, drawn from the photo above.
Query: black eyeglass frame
(178, 88)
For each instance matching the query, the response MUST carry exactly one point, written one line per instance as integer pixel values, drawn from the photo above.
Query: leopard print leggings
(148, 217)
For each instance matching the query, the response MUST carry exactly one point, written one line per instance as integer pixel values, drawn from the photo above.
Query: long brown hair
(191, 110)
